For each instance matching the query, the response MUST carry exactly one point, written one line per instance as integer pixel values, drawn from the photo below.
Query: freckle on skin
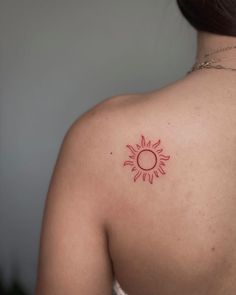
(213, 248)
(111, 153)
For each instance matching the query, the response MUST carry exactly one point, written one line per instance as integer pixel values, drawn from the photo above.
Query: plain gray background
(59, 58)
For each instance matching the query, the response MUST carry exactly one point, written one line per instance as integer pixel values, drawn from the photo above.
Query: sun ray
(150, 178)
(156, 173)
(134, 169)
(163, 157)
(155, 145)
(149, 144)
(162, 163)
(159, 151)
(161, 170)
(143, 142)
(138, 146)
(131, 149)
(128, 163)
(136, 177)
(144, 176)
(132, 157)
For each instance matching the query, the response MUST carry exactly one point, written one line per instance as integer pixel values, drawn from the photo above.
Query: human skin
(176, 235)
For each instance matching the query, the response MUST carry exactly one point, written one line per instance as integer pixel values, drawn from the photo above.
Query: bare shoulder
(108, 125)
(103, 132)
(94, 131)
(106, 119)
(171, 115)
(101, 135)
(97, 130)
(95, 140)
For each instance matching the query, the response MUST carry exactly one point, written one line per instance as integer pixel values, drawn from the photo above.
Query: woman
(144, 191)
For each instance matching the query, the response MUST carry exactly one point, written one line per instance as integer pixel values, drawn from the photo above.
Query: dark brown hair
(214, 16)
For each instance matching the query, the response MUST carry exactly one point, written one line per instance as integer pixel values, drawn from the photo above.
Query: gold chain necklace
(210, 63)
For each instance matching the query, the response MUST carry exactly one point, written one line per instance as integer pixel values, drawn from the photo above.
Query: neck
(208, 42)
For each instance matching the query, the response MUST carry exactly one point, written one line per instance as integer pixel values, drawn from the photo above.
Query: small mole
(111, 153)
(213, 248)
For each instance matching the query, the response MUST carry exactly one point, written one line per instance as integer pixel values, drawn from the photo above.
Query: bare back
(177, 233)
(144, 191)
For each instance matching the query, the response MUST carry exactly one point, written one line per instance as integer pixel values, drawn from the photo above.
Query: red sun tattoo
(147, 160)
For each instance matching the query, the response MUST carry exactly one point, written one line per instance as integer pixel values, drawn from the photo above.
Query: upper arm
(73, 256)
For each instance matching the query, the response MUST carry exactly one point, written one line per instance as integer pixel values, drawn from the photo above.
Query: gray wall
(57, 59)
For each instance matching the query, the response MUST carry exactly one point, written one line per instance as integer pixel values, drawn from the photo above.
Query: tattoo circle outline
(138, 160)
